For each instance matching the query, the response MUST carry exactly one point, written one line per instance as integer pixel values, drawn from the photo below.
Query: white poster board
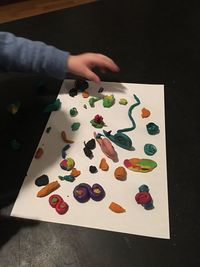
(92, 214)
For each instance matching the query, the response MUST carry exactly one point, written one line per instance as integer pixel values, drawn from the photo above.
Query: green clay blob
(54, 106)
(97, 125)
(150, 149)
(73, 112)
(92, 100)
(108, 101)
(152, 128)
(123, 101)
(75, 126)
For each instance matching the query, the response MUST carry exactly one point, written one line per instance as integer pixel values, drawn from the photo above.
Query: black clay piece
(81, 85)
(42, 180)
(88, 152)
(73, 92)
(91, 144)
(93, 169)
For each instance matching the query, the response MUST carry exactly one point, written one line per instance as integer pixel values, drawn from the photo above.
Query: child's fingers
(90, 75)
(104, 62)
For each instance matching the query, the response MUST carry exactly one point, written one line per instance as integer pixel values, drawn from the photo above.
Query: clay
(93, 169)
(54, 106)
(65, 148)
(101, 89)
(81, 84)
(54, 200)
(123, 101)
(85, 94)
(97, 122)
(42, 180)
(106, 147)
(89, 146)
(103, 165)
(68, 178)
(121, 139)
(144, 198)
(75, 172)
(145, 113)
(73, 112)
(82, 192)
(48, 189)
(62, 207)
(67, 164)
(57, 202)
(120, 173)
(48, 130)
(39, 153)
(152, 128)
(85, 106)
(92, 100)
(75, 126)
(73, 92)
(116, 208)
(97, 192)
(140, 165)
(150, 149)
(65, 139)
(108, 101)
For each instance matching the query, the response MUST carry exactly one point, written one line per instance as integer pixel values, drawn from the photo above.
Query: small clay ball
(42, 180)
(120, 173)
(93, 169)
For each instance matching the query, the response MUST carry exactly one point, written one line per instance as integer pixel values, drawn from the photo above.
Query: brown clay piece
(145, 113)
(120, 173)
(64, 138)
(75, 172)
(116, 208)
(85, 94)
(103, 165)
(48, 189)
(39, 153)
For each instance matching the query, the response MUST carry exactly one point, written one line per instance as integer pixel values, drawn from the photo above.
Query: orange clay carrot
(145, 113)
(103, 165)
(64, 138)
(48, 189)
(116, 208)
(39, 153)
(85, 94)
(75, 172)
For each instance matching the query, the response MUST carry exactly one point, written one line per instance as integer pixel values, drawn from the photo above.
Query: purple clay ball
(97, 192)
(82, 192)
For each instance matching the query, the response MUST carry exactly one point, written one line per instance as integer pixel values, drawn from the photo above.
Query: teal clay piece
(54, 106)
(75, 126)
(108, 101)
(152, 128)
(123, 101)
(92, 100)
(121, 139)
(73, 112)
(150, 149)
(68, 178)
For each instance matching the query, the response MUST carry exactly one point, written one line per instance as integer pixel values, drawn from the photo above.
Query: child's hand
(83, 64)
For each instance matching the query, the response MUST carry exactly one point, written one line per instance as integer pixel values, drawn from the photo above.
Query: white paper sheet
(136, 220)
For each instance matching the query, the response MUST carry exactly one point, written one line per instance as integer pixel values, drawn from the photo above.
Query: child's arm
(23, 55)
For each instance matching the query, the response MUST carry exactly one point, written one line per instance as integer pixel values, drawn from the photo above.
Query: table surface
(153, 42)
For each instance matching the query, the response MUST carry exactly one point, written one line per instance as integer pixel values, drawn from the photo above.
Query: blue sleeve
(23, 55)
